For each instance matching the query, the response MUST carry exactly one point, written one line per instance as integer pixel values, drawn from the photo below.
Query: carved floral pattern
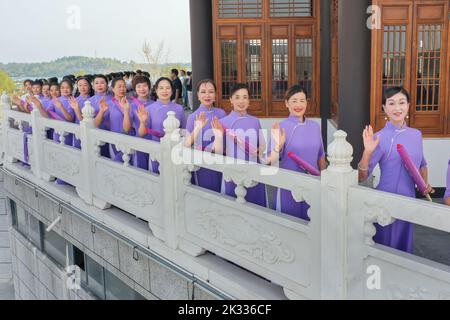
(240, 234)
(123, 186)
(61, 163)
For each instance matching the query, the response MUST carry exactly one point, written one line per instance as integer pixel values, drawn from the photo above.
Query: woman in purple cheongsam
(302, 137)
(243, 139)
(101, 116)
(140, 104)
(77, 104)
(154, 118)
(200, 133)
(60, 109)
(113, 112)
(381, 149)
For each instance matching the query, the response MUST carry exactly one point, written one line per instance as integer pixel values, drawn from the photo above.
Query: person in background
(190, 97)
(177, 93)
(27, 84)
(183, 79)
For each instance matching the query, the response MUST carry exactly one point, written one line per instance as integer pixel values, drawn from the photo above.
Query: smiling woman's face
(297, 104)
(397, 108)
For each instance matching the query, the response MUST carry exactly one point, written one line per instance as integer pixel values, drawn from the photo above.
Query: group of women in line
(239, 135)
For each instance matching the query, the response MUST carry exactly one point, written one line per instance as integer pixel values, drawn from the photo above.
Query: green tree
(6, 83)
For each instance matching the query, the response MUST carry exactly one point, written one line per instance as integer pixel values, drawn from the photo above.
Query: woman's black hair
(392, 91)
(205, 81)
(28, 80)
(115, 80)
(53, 80)
(37, 82)
(91, 90)
(69, 82)
(100, 76)
(238, 86)
(140, 79)
(164, 79)
(294, 90)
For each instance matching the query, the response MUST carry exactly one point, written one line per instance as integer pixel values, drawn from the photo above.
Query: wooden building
(344, 52)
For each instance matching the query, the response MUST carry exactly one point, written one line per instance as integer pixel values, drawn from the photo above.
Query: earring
(386, 118)
(407, 117)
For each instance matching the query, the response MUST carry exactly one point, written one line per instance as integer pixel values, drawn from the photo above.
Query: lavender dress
(81, 101)
(115, 116)
(396, 179)
(142, 158)
(158, 114)
(105, 125)
(305, 141)
(206, 178)
(247, 128)
(59, 115)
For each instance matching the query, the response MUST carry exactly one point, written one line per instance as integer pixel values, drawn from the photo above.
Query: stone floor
(6, 290)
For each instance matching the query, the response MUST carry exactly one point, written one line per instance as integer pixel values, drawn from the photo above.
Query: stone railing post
(84, 189)
(4, 106)
(35, 147)
(336, 181)
(168, 175)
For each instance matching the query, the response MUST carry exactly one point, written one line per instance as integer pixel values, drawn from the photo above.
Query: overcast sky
(44, 30)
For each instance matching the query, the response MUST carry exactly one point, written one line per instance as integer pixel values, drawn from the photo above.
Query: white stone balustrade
(327, 257)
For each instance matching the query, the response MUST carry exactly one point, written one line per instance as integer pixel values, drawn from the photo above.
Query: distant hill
(73, 65)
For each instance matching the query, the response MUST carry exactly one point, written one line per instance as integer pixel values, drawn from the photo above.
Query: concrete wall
(5, 254)
(37, 277)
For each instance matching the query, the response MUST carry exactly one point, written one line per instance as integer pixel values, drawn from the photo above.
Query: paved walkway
(6, 290)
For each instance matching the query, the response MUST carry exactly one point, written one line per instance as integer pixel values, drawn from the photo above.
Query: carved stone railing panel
(62, 162)
(133, 191)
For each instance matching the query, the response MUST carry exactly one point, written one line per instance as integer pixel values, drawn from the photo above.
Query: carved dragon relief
(240, 234)
(124, 187)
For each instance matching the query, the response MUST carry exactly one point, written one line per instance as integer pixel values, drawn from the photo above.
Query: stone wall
(38, 277)
(5, 254)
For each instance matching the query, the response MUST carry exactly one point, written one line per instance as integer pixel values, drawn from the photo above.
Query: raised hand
(142, 114)
(429, 190)
(58, 103)
(16, 101)
(278, 136)
(124, 104)
(369, 143)
(200, 121)
(217, 127)
(74, 103)
(103, 105)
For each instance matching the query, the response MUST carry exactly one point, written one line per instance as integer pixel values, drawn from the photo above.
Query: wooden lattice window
(253, 67)
(304, 61)
(280, 68)
(394, 56)
(240, 8)
(428, 67)
(291, 8)
(229, 66)
(272, 50)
